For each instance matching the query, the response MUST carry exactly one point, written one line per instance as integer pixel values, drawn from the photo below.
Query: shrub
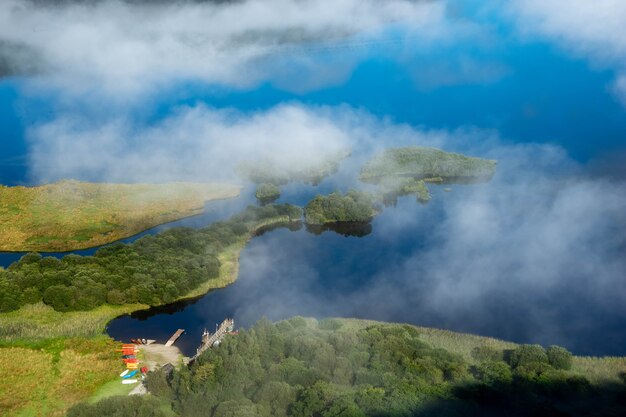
(486, 353)
(126, 406)
(526, 354)
(267, 192)
(492, 373)
(559, 357)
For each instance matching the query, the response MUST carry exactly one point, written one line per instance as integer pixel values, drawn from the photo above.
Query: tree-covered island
(355, 206)
(405, 171)
(267, 192)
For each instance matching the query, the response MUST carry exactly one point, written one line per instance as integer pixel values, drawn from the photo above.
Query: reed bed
(39, 321)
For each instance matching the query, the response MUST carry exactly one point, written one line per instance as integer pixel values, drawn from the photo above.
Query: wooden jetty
(174, 337)
(209, 340)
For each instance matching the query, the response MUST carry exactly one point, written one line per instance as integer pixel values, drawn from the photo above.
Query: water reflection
(353, 229)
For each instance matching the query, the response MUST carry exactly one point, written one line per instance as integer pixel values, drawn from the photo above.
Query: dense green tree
(559, 357)
(355, 206)
(267, 192)
(284, 369)
(153, 270)
(528, 354)
(494, 372)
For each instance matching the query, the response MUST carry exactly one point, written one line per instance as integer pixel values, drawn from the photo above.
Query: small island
(70, 215)
(427, 164)
(405, 171)
(267, 192)
(355, 206)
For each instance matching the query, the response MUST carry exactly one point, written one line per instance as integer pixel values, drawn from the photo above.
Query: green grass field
(45, 378)
(71, 215)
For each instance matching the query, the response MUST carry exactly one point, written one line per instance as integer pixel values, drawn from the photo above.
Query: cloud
(123, 47)
(196, 143)
(590, 29)
(203, 143)
(536, 256)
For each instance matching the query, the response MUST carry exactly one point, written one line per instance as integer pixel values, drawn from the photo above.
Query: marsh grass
(47, 377)
(71, 215)
(34, 322)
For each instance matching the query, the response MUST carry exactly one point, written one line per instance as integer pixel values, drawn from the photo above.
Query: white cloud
(593, 29)
(492, 258)
(534, 256)
(196, 143)
(131, 47)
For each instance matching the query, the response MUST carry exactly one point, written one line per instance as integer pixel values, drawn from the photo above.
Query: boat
(124, 373)
(129, 381)
(133, 373)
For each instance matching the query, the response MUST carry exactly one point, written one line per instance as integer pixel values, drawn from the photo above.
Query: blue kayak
(130, 374)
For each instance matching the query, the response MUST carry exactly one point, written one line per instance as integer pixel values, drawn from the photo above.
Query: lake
(408, 267)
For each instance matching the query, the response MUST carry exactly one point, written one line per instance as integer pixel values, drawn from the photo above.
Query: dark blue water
(540, 95)
(387, 272)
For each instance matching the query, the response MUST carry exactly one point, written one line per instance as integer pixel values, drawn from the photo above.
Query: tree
(559, 357)
(526, 354)
(10, 295)
(492, 373)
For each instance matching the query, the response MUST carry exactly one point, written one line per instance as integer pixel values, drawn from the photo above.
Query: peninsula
(71, 215)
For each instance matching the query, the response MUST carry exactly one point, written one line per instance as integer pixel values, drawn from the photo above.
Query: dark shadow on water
(535, 397)
(173, 308)
(348, 229)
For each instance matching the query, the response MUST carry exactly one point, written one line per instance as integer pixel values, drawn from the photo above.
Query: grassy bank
(45, 378)
(53, 360)
(34, 322)
(71, 215)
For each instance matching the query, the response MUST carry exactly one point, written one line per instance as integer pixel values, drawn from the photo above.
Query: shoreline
(224, 191)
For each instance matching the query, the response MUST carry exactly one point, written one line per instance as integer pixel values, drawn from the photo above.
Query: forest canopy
(153, 270)
(336, 367)
(355, 206)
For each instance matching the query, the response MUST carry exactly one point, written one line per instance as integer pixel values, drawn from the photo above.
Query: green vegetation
(121, 406)
(339, 367)
(57, 357)
(267, 192)
(274, 172)
(71, 215)
(153, 270)
(355, 206)
(426, 163)
(394, 187)
(45, 378)
(405, 171)
(38, 321)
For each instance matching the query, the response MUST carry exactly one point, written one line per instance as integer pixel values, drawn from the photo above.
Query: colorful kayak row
(132, 364)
